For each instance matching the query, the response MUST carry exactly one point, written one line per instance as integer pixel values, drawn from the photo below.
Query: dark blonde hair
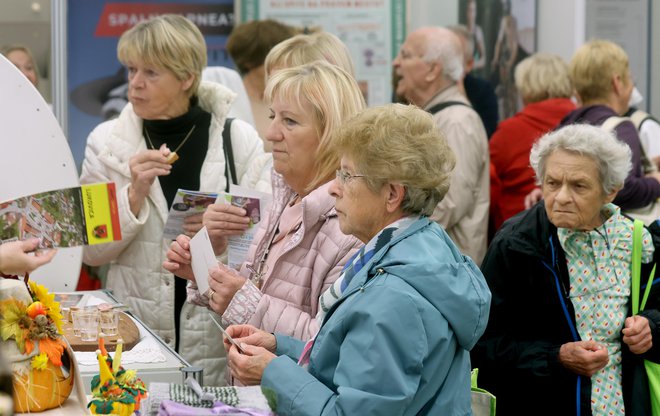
(593, 66)
(332, 96)
(168, 41)
(543, 76)
(305, 48)
(399, 143)
(249, 43)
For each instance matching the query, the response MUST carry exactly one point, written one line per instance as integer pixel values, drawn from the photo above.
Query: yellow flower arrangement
(39, 323)
(30, 332)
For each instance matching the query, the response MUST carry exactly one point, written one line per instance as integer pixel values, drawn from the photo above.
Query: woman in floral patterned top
(561, 339)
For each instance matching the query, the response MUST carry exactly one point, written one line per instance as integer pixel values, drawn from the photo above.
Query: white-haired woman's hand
(179, 260)
(637, 334)
(585, 358)
(222, 221)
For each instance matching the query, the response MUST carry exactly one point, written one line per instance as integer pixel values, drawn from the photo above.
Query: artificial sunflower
(40, 294)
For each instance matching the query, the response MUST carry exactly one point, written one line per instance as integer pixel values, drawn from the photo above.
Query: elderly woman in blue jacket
(398, 324)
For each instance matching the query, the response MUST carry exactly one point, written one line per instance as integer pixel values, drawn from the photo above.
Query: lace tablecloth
(146, 351)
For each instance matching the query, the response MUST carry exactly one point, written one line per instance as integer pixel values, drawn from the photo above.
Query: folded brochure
(82, 215)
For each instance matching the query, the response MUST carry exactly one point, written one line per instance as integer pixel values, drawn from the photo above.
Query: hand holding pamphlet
(202, 259)
(82, 215)
(255, 204)
(185, 204)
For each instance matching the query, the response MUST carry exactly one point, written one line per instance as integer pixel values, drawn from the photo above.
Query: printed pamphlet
(255, 203)
(82, 215)
(186, 203)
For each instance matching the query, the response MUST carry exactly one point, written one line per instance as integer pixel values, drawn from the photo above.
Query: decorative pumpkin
(39, 390)
(31, 341)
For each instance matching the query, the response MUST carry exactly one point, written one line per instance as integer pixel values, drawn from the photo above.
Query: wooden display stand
(128, 331)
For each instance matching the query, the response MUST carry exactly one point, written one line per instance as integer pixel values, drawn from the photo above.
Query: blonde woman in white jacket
(170, 111)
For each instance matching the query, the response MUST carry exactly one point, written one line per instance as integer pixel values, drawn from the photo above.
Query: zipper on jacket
(379, 271)
(562, 294)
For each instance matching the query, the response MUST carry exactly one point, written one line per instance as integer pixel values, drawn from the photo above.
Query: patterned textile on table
(240, 397)
(599, 267)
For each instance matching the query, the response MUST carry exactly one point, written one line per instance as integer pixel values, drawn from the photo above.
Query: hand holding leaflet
(202, 259)
(226, 335)
(255, 204)
(186, 203)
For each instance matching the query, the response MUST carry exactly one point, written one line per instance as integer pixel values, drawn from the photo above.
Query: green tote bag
(652, 369)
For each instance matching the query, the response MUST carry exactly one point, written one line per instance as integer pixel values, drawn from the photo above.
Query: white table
(167, 372)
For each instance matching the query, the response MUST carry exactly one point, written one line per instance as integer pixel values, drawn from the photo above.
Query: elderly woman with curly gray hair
(399, 322)
(562, 338)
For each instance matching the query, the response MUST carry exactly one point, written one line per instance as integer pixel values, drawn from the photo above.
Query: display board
(626, 23)
(373, 30)
(35, 158)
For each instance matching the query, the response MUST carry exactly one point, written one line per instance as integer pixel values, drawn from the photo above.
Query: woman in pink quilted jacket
(298, 250)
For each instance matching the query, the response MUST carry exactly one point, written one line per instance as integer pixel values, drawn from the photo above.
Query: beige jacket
(464, 210)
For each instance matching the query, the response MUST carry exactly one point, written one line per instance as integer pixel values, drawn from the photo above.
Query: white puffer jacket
(136, 275)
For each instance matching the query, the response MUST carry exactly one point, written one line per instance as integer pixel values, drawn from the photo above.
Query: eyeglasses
(344, 176)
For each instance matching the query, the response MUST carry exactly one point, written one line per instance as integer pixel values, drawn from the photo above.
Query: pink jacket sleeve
(271, 312)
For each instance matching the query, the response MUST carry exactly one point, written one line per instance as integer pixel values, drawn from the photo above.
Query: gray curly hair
(612, 156)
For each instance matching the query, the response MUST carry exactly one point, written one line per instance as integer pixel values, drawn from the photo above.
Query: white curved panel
(35, 157)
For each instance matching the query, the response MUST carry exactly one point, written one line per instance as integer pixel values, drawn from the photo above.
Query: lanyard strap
(636, 270)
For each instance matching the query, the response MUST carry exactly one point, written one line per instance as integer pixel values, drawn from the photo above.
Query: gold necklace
(172, 157)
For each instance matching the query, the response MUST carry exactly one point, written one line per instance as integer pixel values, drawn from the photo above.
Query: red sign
(212, 19)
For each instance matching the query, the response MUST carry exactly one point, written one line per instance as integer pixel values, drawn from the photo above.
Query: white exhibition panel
(35, 158)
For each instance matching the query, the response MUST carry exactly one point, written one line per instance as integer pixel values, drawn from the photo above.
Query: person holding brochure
(223, 222)
(15, 257)
(298, 250)
(170, 111)
(401, 319)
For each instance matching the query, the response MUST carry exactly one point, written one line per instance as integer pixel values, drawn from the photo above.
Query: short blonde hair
(305, 48)
(331, 94)
(543, 76)
(399, 143)
(593, 66)
(168, 41)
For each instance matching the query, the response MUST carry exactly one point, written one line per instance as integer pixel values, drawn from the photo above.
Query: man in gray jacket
(430, 64)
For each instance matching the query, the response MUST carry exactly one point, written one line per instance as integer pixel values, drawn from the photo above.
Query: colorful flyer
(83, 215)
(255, 204)
(186, 203)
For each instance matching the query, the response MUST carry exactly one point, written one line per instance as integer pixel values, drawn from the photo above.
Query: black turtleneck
(185, 171)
